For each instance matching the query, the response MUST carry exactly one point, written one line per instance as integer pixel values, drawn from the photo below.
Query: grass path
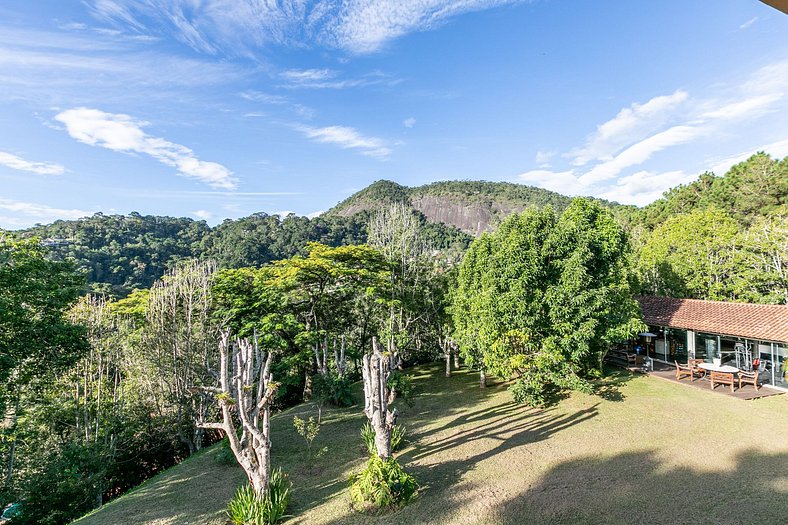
(647, 451)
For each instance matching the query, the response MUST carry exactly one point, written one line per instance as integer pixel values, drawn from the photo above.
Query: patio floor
(746, 392)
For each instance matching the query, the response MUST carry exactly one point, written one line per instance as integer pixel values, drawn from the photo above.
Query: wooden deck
(746, 392)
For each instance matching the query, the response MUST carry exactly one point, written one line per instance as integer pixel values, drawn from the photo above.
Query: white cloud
(315, 214)
(630, 124)
(566, 182)
(365, 26)
(409, 122)
(750, 108)
(748, 23)
(644, 187)
(203, 214)
(41, 168)
(347, 138)
(720, 166)
(640, 152)
(542, 158)
(33, 212)
(123, 133)
(241, 26)
(307, 75)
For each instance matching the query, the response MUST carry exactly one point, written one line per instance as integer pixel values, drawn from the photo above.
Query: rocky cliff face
(471, 217)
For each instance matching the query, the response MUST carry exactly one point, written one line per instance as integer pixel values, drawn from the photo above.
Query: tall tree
(180, 340)
(540, 299)
(36, 338)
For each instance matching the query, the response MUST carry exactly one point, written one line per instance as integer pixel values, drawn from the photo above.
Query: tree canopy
(541, 298)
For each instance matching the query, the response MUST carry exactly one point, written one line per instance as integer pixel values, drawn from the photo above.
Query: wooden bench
(721, 378)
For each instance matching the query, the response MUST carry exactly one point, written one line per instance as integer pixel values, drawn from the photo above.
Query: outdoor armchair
(683, 371)
(750, 378)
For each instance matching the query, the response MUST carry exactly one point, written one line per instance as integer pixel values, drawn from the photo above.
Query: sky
(216, 109)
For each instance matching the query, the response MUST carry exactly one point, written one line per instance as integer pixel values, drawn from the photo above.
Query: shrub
(308, 430)
(333, 389)
(224, 454)
(382, 485)
(247, 508)
(402, 384)
(368, 436)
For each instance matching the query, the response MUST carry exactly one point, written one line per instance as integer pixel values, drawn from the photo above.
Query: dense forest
(100, 391)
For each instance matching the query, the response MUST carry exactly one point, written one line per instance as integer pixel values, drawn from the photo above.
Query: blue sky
(221, 108)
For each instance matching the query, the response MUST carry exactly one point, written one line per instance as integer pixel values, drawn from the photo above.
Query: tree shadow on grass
(609, 386)
(638, 488)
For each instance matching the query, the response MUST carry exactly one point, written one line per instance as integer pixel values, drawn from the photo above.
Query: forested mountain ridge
(470, 206)
(119, 253)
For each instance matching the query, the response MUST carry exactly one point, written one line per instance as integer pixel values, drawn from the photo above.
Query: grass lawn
(645, 451)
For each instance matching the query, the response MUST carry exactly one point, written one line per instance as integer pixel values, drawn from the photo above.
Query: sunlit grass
(646, 451)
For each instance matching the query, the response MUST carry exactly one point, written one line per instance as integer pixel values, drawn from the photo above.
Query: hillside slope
(620, 457)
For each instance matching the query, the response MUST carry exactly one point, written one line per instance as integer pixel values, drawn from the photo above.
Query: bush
(224, 454)
(368, 436)
(381, 486)
(247, 508)
(333, 389)
(402, 384)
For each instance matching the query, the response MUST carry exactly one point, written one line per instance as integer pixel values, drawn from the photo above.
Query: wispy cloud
(347, 138)
(203, 214)
(28, 213)
(640, 152)
(331, 79)
(409, 122)
(241, 26)
(119, 132)
(748, 23)
(41, 168)
(613, 161)
(631, 123)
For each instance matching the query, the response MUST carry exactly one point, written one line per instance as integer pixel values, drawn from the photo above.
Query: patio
(746, 392)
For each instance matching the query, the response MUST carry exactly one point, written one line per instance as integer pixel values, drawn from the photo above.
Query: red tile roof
(765, 322)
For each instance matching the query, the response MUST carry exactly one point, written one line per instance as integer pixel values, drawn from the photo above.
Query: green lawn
(645, 450)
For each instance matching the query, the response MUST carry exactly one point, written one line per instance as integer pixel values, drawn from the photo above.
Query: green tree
(36, 338)
(541, 298)
(695, 255)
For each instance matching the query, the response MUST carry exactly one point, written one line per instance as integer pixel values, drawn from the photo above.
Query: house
(747, 336)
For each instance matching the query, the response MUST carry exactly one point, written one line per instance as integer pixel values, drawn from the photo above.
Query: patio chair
(683, 371)
(721, 378)
(696, 370)
(750, 378)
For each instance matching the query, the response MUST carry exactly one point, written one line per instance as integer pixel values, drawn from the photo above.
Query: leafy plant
(247, 508)
(382, 485)
(333, 389)
(402, 384)
(308, 429)
(368, 436)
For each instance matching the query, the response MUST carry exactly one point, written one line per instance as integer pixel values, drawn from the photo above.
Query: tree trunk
(307, 386)
(377, 398)
(448, 362)
(482, 379)
(246, 393)
(456, 353)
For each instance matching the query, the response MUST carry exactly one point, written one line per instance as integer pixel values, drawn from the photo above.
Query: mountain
(470, 206)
